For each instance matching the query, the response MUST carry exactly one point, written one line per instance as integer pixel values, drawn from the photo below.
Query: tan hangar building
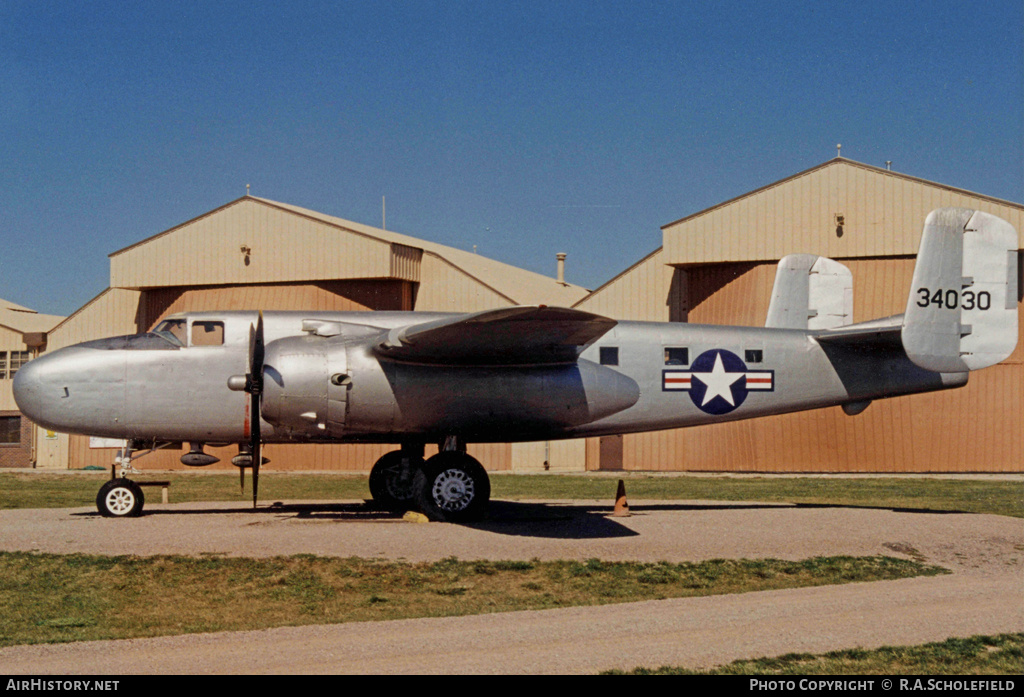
(23, 334)
(718, 266)
(258, 254)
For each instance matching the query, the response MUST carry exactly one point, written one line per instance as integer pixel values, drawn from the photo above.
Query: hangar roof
(839, 209)
(255, 240)
(24, 320)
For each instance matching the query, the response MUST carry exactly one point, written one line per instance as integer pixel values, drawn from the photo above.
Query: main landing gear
(451, 486)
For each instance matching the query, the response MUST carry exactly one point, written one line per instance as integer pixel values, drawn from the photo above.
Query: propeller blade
(257, 457)
(256, 360)
(241, 478)
(256, 355)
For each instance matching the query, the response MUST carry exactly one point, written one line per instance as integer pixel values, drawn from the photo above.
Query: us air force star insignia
(718, 381)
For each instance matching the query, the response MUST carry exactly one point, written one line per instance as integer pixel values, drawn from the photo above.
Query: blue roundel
(718, 382)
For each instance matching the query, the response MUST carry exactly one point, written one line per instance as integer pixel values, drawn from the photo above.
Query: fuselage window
(677, 356)
(754, 355)
(207, 334)
(173, 330)
(609, 355)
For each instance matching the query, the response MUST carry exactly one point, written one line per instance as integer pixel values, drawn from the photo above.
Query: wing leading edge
(525, 335)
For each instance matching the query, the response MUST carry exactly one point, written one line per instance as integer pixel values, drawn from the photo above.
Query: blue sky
(524, 128)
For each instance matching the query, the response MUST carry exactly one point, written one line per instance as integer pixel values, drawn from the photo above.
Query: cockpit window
(207, 334)
(173, 330)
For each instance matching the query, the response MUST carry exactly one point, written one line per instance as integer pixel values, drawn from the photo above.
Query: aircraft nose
(63, 391)
(29, 389)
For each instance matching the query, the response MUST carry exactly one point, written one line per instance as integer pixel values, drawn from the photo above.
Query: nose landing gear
(120, 498)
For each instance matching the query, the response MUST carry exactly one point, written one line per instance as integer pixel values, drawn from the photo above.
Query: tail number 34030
(951, 299)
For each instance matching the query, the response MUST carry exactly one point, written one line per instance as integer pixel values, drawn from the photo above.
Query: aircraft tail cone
(621, 505)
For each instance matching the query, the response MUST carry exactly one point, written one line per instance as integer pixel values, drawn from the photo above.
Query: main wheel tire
(453, 487)
(387, 488)
(120, 498)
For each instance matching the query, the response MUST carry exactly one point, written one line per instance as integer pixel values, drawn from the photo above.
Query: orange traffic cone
(621, 506)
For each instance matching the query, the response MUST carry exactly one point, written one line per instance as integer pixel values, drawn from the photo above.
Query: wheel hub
(120, 501)
(453, 490)
(400, 488)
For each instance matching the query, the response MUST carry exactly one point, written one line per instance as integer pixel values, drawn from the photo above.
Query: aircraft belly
(503, 403)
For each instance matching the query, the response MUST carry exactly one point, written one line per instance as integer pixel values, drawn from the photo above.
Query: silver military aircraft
(522, 373)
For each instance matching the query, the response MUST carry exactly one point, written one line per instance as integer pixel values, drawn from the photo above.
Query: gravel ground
(983, 595)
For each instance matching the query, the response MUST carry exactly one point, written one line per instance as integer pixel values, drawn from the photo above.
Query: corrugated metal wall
(452, 290)
(974, 429)
(883, 215)
(113, 312)
(328, 296)
(649, 291)
(405, 262)
(209, 251)
(977, 428)
(256, 254)
(202, 265)
(11, 340)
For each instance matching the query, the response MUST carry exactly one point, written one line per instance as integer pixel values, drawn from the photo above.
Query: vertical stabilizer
(811, 292)
(962, 310)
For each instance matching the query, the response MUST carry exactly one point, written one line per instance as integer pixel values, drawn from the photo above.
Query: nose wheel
(120, 498)
(453, 487)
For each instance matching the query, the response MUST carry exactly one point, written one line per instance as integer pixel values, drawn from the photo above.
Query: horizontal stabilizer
(884, 332)
(962, 310)
(811, 292)
(535, 335)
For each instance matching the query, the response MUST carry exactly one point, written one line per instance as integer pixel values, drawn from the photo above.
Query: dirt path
(984, 595)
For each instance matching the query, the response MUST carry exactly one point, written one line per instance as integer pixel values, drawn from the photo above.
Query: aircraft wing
(526, 335)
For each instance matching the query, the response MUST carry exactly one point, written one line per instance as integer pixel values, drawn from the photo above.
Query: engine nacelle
(305, 387)
(316, 387)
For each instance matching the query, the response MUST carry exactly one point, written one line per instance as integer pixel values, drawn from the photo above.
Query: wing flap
(525, 335)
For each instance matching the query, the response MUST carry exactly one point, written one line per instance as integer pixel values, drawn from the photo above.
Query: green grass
(46, 598)
(980, 655)
(49, 490)
(57, 598)
(964, 495)
(57, 490)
